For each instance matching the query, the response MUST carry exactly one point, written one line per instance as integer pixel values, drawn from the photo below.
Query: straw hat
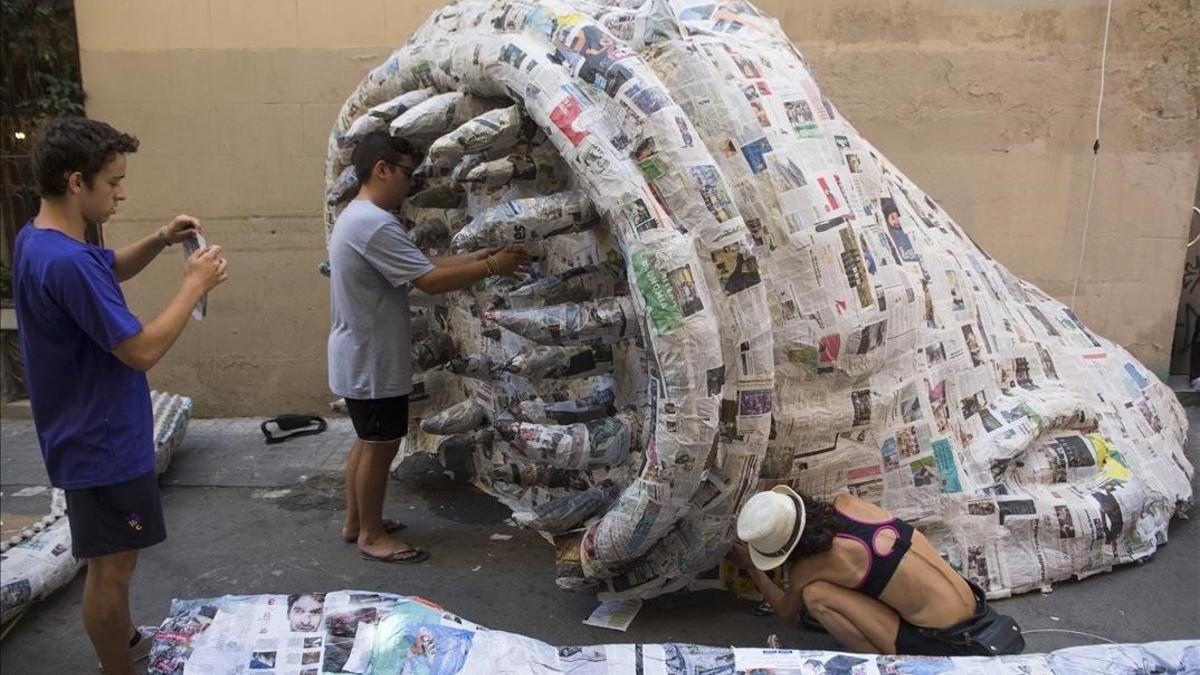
(771, 523)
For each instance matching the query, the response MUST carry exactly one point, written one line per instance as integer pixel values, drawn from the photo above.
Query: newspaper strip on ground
(776, 300)
(38, 561)
(615, 614)
(371, 633)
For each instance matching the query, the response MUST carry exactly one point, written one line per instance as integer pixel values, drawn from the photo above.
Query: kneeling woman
(870, 579)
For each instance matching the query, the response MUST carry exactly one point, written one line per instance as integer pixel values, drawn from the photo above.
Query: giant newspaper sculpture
(736, 290)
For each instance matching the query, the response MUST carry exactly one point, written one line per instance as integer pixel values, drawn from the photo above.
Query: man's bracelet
(493, 267)
(162, 237)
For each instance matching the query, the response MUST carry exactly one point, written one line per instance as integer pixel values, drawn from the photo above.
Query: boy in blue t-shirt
(85, 360)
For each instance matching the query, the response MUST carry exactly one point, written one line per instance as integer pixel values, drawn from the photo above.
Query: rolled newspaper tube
(430, 234)
(422, 323)
(497, 172)
(594, 322)
(457, 453)
(528, 219)
(538, 166)
(460, 418)
(565, 513)
(445, 195)
(493, 291)
(599, 404)
(431, 117)
(528, 474)
(432, 226)
(378, 117)
(474, 366)
(432, 351)
(344, 188)
(494, 128)
(538, 363)
(434, 117)
(577, 284)
(603, 442)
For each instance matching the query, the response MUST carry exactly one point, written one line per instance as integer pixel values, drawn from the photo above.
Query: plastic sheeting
(369, 632)
(805, 314)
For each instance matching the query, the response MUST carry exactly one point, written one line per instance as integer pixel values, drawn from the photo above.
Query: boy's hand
(511, 259)
(207, 268)
(483, 253)
(179, 229)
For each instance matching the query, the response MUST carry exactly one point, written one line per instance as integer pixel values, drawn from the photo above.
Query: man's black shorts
(379, 420)
(114, 518)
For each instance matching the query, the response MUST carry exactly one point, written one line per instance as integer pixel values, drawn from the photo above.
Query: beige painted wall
(987, 104)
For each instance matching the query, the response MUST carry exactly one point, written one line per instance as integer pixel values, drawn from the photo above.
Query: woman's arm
(786, 602)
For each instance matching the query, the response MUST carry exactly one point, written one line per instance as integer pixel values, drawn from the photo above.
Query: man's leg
(371, 486)
(350, 529)
(106, 609)
(858, 622)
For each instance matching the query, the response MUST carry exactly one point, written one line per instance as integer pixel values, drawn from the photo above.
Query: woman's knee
(816, 596)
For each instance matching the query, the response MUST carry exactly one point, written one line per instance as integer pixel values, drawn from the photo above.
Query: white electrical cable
(1087, 216)
(1136, 666)
(1193, 242)
(1073, 632)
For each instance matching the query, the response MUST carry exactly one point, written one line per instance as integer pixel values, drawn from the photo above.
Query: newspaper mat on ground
(37, 561)
(735, 290)
(366, 633)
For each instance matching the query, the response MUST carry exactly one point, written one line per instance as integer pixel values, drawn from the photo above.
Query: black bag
(996, 634)
(291, 426)
(989, 632)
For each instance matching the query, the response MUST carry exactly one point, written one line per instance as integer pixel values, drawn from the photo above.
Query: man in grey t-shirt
(372, 263)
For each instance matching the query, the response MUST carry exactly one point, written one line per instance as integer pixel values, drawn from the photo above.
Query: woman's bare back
(924, 591)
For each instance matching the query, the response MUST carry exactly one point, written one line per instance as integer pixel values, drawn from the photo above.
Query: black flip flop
(421, 556)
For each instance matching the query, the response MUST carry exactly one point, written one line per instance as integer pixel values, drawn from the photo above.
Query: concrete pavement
(244, 518)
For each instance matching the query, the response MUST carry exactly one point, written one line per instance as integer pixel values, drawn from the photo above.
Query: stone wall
(989, 105)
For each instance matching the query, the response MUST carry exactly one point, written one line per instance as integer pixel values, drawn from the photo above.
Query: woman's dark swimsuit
(881, 567)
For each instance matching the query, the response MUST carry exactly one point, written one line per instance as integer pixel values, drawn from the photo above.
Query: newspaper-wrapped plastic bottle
(474, 366)
(493, 129)
(561, 362)
(523, 220)
(593, 322)
(528, 474)
(603, 442)
(565, 513)
(343, 189)
(433, 351)
(599, 404)
(380, 116)
(431, 118)
(460, 418)
(579, 284)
